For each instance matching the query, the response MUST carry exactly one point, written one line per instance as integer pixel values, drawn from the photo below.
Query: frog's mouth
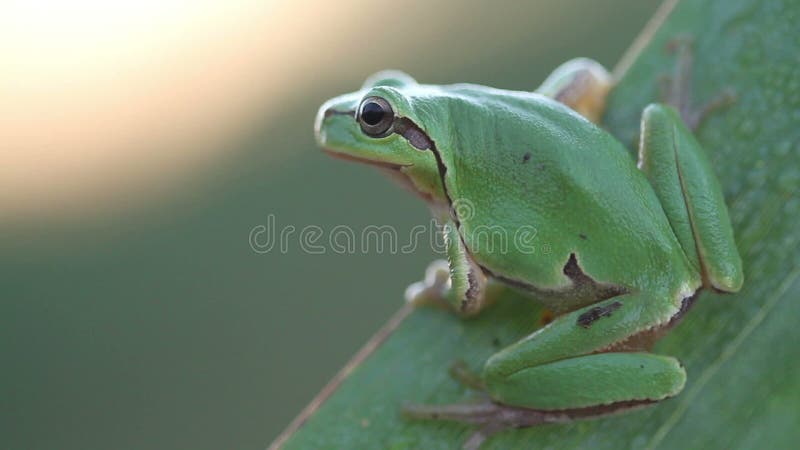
(371, 162)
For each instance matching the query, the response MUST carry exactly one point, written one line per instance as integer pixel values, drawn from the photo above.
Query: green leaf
(740, 351)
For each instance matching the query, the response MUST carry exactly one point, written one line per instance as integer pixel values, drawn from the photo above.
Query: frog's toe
(462, 373)
(416, 293)
(438, 274)
(696, 116)
(476, 413)
(490, 416)
(433, 288)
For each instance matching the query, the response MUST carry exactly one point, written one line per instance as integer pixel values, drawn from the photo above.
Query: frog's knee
(582, 84)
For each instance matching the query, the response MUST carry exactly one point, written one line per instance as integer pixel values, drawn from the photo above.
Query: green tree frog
(625, 246)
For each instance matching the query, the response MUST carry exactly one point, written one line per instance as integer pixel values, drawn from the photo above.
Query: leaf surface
(742, 351)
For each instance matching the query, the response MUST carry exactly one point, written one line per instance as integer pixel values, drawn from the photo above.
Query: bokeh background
(141, 142)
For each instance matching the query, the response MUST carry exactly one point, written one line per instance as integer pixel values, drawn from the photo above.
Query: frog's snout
(326, 118)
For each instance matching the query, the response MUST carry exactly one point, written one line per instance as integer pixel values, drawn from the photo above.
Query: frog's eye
(375, 116)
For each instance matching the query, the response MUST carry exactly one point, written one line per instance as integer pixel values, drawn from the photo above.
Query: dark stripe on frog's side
(421, 141)
(413, 134)
(584, 289)
(598, 312)
(686, 304)
(472, 290)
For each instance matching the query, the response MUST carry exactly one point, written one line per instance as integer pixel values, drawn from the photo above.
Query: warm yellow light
(101, 97)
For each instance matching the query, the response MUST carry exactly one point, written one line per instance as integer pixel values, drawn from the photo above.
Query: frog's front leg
(458, 283)
(691, 197)
(582, 84)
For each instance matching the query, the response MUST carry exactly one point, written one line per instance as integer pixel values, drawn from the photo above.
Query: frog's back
(528, 164)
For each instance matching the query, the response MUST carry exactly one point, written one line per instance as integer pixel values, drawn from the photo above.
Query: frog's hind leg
(582, 84)
(676, 88)
(690, 195)
(571, 369)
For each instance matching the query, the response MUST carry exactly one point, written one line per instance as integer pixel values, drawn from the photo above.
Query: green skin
(622, 249)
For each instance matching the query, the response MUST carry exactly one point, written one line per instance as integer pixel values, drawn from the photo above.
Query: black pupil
(372, 113)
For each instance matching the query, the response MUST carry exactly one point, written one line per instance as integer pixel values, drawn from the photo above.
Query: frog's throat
(372, 162)
(418, 139)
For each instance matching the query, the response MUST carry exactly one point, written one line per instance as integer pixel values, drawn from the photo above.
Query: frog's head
(384, 124)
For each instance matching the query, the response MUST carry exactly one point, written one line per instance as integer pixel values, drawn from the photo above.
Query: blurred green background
(134, 313)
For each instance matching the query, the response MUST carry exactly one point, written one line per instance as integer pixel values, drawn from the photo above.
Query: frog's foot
(461, 373)
(433, 289)
(458, 285)
(676, 89)
(492, 417)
